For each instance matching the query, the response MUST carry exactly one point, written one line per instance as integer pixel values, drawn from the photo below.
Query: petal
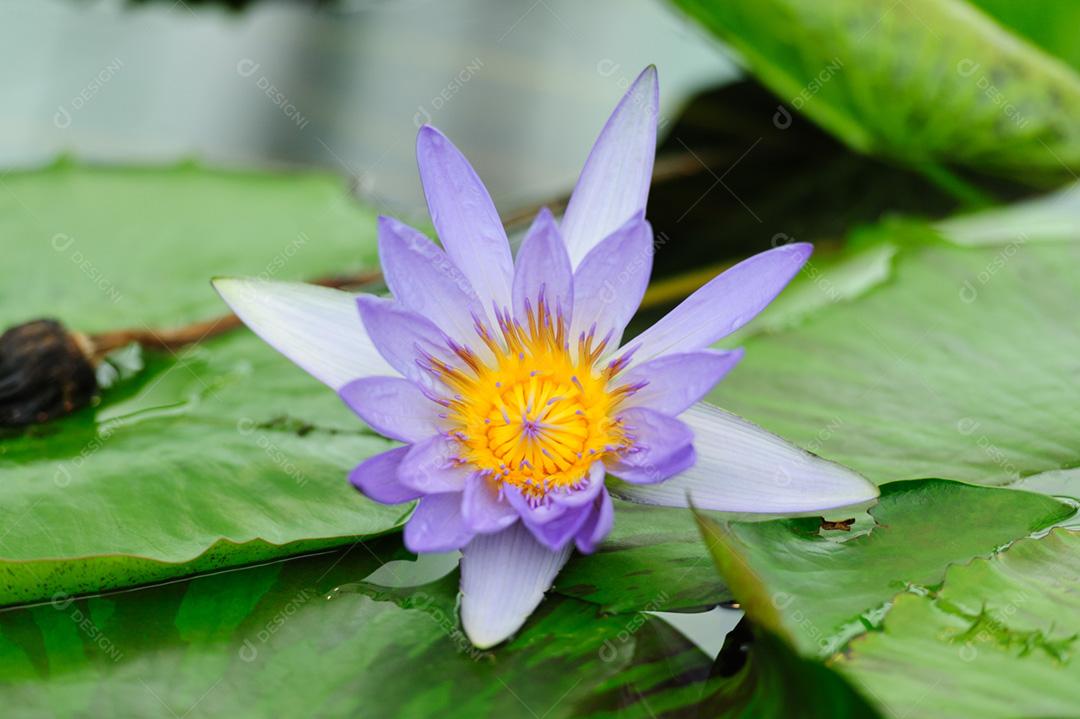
(611, 280)
(402, 337)
(542, 264)
(536, 515)
(484, 510)
(614, 183)
(377, 478)
(589, 490)
(503, 579)
(725, 304)
(424, 280)
(662, 446)
(743, 468)
(431, 467)
(393, 407)
(437, 525)
(598, 526)
(465, 218)
(316, 327)
(557, 533)
(673, 382)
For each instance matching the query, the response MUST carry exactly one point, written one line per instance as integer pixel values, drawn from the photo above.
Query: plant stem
(971, 196)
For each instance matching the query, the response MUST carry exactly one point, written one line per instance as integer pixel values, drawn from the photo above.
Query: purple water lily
(507, 382)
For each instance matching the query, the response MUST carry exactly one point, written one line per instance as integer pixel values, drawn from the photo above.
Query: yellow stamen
(537, 415)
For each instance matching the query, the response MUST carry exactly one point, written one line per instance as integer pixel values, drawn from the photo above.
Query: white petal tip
(649, 76)
(429, 134)
(503, 580)
(743, 468)
(486, 636)
(316, 327)
(485, 629)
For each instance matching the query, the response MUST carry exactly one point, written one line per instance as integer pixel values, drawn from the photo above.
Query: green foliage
(798, 582)
(652, 560)
(999, 639)
(914, 352)
(221, 454)
(949, 363)
(924, 82)
(773, 681)
(309, 637)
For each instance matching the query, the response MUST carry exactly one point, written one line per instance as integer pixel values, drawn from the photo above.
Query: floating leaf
(955, 363)
(219, 455)
(920, 81)
(773, 681)
(817, 592)
(308, 637)
(999, 639)
(653, 560)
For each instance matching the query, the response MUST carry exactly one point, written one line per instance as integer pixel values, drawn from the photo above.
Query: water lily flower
(506, 381)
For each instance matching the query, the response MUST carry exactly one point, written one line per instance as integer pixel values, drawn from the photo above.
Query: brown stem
(171, 340)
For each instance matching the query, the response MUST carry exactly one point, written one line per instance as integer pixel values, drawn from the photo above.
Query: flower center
(537, 416)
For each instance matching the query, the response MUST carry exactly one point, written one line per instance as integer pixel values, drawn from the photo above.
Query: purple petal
(430, 467)
(401, 336)
(557, 533)
(484, 510)
(315, 327)
(542, 262)
(377, 478)
(743, 468)
(614, 183)
(725, 304)
(539, 514)
(465, 218)
(503, 579)
(611, 280)
(393, 407)
(424, 280)
(437, 525)
(662, 446)
(598, 526)
(674, 382)
(589, 490)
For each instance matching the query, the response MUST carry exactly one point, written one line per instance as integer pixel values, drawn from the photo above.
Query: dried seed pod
(45, 372)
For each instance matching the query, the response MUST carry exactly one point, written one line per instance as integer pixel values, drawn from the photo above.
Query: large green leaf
(758, 676)
(222, 455)
(652, 560)
(309, 638)
(103, 248)
(1050, 24)
(817, 592)
(955, 362)
(920, 81)
(999, 639)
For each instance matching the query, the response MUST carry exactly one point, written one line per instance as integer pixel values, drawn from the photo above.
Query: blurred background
(522, 87)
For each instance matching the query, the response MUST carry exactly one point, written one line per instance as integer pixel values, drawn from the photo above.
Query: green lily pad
(817, 592)
(653, 560)
(920, 81)
(1050, 24)
(105, 248)
(956, 363)
(221, 454)
(999, 639)
(772, 681)
(308, 637)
